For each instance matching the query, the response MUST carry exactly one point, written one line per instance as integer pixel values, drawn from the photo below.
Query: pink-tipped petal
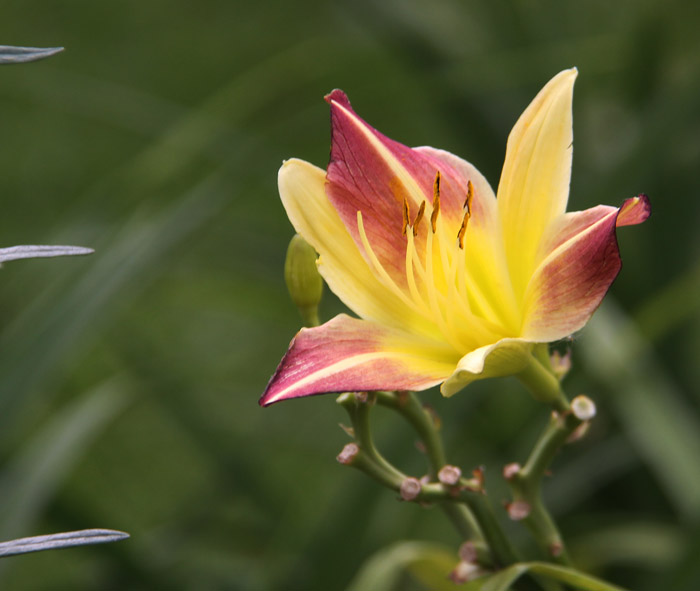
(347, 354)
(370, 173)
(582, 262)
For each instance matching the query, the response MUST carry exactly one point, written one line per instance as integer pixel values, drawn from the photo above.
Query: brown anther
(463, 229)
(406, 217)
(478, 474)
(518, 510)
(410, 488)
(419, 217)
(436, 203)
(470, 196)
(449, 475)
(510, 470)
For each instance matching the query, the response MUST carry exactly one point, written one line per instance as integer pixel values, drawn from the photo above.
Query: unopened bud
(303, 280)
(555, 549)
(464, 572)
(561, 364)
(468, 553)
(449, 475)
(510, 470)
(410, 488)
(518, 510)
(348, 454)
(583, 408)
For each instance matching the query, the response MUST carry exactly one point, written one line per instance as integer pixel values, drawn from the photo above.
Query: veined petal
(302, 190)
(372, 174)
(347, 354)
(534, 185)
(503, 358)
(582, 261)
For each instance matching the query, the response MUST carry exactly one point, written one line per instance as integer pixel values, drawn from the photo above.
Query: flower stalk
(526, 482)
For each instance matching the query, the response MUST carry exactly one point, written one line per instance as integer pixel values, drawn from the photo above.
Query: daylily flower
(451, 284)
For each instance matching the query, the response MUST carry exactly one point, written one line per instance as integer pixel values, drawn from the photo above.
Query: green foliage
(129, 379)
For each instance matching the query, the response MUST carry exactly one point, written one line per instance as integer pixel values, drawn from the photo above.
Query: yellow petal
(534, 185)
(504, 358)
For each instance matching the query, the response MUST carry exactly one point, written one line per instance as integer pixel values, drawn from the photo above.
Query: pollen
(406, 218)
(467, 214)
(419, 217)
(436, 203)
(470, 196)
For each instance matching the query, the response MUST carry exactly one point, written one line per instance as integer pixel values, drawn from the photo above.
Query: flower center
(438, 286)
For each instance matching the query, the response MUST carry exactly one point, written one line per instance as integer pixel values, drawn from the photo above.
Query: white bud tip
(510, 470)
(348, 454)
(583, 408)
(468, 553)
(449, 475)
(518, 510)
(410, 488)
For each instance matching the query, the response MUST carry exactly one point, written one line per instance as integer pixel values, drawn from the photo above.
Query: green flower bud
(304, 283)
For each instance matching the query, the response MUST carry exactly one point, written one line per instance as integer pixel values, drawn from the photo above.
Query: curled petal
(503, 358)
(347, 354)
(582, 261)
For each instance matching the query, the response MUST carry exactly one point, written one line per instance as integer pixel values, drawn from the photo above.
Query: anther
(463, 229)
(470, 196)
(419, 217)
(405, 216)
(436, 202)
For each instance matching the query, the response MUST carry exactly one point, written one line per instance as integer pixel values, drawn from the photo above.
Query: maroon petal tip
(337, 96)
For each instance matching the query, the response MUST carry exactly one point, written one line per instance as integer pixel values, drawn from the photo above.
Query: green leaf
(431, 564)
(17, 55)
(664, 428)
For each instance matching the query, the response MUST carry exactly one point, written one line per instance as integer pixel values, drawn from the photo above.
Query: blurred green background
(129, 379)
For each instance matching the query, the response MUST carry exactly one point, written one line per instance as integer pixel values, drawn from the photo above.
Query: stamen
(419, 217)
(379, 268)
(470, 196)
(405, 216)
(436, 202)
(463, 229)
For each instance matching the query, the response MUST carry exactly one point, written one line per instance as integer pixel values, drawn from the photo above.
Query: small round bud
(303, 280)
(561, 363)
(465, 572)
(410, 488)
(467, 553)
(518, 510)
(583, 408)
(555, 549)
(449, 475)
(348, 454)
(510, 470)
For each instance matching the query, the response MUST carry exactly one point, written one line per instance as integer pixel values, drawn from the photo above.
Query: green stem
(408, 405)
(526, 483)
(476, 514)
